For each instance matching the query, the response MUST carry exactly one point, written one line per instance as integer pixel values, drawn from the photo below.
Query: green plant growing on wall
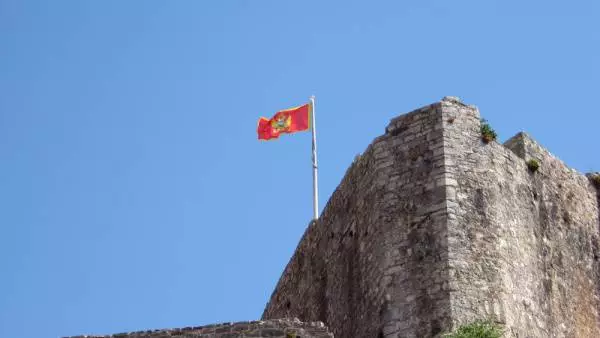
(477, 329)
(595, 178)
(487, 132)
(533, 165)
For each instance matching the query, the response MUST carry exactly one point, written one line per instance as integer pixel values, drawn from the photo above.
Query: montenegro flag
(285, 122)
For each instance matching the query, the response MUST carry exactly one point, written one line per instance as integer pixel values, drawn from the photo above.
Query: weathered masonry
(280, 328)
(431, 228)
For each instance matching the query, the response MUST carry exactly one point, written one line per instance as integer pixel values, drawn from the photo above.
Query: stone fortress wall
(431, 227)
(279, 328)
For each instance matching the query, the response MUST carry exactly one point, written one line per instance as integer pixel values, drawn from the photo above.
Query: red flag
(285, 122)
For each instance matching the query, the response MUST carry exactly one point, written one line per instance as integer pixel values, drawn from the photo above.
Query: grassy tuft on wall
(488, 133)
(595, 178)
(477, 329)
(533, 165)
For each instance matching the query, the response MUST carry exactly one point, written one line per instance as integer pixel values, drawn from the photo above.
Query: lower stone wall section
(276, 328)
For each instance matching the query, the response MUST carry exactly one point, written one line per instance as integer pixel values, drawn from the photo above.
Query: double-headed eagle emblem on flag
(284, 122)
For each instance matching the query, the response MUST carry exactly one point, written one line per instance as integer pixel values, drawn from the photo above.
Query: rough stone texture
(376, 263)
(279, 328)
(523, 246)
(431, 228)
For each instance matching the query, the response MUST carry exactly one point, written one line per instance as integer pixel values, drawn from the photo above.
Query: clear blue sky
(133, 191)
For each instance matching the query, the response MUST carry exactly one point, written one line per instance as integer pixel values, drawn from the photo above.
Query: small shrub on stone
(533, 165)
(477, 329)
(488, 133)
(595, 178)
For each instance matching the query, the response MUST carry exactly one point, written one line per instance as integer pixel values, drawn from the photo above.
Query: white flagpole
(314, 161)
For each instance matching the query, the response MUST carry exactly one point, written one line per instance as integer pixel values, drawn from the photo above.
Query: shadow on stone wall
(596, 240)
(595, 180)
